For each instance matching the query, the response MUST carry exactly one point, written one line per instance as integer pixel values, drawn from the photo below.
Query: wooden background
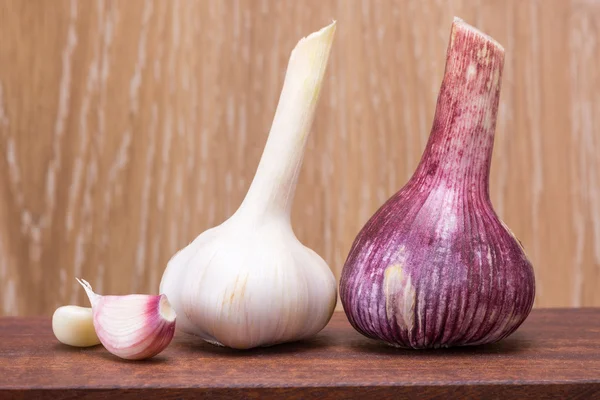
(128, 127)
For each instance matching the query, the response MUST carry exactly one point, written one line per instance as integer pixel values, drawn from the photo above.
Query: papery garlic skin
(252, 297)
(249, 282)
(434, 266)
(133, 327)
(74, 326)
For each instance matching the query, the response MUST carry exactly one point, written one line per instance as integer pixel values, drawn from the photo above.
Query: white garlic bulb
(249, 282)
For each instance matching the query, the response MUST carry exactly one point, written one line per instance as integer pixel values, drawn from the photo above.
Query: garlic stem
(273, 187)
(462, 136)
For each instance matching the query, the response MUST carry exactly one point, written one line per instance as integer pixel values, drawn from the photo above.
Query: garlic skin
(74, 326)
(249, 282)
(434, 266)
(133, 327)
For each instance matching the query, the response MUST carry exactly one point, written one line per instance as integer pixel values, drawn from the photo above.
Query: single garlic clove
(74, 326)
(133, 327)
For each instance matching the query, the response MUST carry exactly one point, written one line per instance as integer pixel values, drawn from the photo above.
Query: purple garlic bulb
(435, 266)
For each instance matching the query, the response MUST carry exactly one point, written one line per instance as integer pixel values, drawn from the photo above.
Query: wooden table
(555, 354)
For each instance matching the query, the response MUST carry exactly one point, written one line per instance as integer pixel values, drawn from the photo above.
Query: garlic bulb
(249, 282)
(435, 267)
(133, 327)
(74, 326)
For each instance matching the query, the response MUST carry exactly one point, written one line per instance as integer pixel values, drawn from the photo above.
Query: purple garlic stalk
(435, 266)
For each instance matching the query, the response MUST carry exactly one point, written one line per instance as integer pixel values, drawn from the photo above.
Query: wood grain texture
(554, 355)
(127, 128)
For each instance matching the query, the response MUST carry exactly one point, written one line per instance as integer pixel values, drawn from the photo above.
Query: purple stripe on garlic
(434, 266)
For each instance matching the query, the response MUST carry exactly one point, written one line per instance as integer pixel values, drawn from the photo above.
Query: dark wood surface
(555, 354)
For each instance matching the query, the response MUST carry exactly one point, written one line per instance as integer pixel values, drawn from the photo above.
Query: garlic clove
(74, 326)
(133, 327)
